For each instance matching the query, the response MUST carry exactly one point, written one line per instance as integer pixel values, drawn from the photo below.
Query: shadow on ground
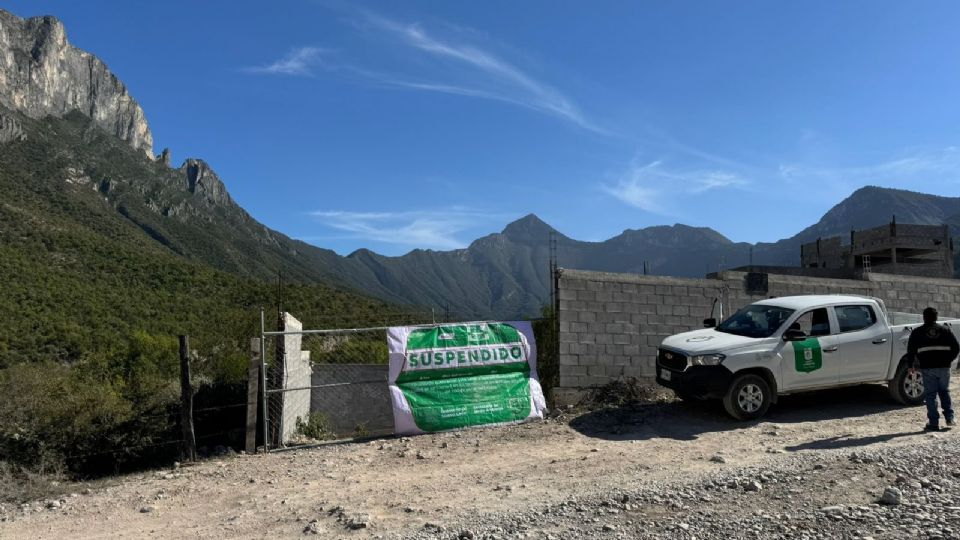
(687, 421)
(846, 441)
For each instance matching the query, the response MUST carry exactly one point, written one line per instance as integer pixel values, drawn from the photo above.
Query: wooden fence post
(186, 402)
(253, 392)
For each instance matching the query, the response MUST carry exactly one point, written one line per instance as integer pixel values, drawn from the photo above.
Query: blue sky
(393, 126)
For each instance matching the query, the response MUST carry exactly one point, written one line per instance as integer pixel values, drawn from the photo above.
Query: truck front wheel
(906, 387)
(748, 397)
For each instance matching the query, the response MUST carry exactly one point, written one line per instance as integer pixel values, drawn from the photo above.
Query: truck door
(816, 360)
(864, 344)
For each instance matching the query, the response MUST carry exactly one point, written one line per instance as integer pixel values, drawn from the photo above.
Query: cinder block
(621, 339)
(574, 284)
(597, 371)
(569, 360)
(587, 296)
(587, 316)
(613, 328)
(648, 371)
(648, 308)
(590, 359)
(577, 371)
(567, 294)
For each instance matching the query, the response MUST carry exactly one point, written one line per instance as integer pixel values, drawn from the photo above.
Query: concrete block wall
(611, 324)
(352, 396)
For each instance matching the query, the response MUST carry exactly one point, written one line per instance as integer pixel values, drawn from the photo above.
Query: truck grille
(671, 360)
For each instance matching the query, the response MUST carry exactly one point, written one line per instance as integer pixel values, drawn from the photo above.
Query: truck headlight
(706, 359)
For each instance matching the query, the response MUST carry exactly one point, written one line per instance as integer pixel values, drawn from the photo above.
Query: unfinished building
(915, 250)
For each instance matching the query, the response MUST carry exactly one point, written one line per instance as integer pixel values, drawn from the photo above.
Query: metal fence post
(263, 384)
(186, 402)
(253, 386)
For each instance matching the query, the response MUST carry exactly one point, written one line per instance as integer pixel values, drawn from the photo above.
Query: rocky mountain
(41, 74)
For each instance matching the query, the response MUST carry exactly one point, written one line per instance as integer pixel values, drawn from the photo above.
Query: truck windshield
(756, 321)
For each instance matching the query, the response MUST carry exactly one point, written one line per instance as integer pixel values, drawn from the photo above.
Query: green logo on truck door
(807, 355)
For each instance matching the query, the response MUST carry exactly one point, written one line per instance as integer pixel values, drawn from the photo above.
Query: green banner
(462, 335)
(807, 355)
(453, 376)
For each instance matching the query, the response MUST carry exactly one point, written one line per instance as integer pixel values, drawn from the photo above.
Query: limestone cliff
(201, 180)
(42, 74)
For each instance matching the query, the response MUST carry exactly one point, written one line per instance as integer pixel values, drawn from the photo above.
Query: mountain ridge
(187, 211)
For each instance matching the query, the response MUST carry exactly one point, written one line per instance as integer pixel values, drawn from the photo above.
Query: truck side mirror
(709, 323)
(794, 335)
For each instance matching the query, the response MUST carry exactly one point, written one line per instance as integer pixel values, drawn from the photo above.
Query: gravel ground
(838, 464)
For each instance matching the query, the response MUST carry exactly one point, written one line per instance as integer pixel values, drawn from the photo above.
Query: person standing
(931, 349)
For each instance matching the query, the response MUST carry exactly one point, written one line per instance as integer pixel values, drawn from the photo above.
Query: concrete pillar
(296, 379)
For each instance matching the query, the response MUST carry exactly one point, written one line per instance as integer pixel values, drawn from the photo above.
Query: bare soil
(401, 487)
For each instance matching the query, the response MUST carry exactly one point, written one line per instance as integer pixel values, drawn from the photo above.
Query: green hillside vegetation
(92, 302)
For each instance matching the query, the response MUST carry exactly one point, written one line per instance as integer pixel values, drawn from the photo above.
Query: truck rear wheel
(748, 397)
(906, 387)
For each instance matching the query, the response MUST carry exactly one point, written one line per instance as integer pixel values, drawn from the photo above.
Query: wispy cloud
(436, 229)
(650, 186)
(299, 61)
(918, 166)
(495, 77)
(707, 180)
(910, 170)
(415, 59)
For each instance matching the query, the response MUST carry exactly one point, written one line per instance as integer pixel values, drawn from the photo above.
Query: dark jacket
(932, 346)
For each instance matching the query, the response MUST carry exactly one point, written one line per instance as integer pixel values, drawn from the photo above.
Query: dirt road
(470, 481)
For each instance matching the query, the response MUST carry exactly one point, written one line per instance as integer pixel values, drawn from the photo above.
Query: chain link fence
(329, 384)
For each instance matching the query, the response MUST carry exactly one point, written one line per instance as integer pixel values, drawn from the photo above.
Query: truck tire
(906, 388)
(748, 397)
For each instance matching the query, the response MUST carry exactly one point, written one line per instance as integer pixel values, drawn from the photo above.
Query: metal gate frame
(264, 333)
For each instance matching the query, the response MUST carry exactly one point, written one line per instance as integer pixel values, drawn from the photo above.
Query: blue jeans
(936, 382)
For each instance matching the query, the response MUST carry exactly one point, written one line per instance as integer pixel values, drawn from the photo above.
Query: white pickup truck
(793, 344)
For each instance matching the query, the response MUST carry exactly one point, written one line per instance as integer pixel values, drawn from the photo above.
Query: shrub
(316, 427)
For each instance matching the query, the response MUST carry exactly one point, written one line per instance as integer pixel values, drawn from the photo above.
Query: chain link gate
(324, 384)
